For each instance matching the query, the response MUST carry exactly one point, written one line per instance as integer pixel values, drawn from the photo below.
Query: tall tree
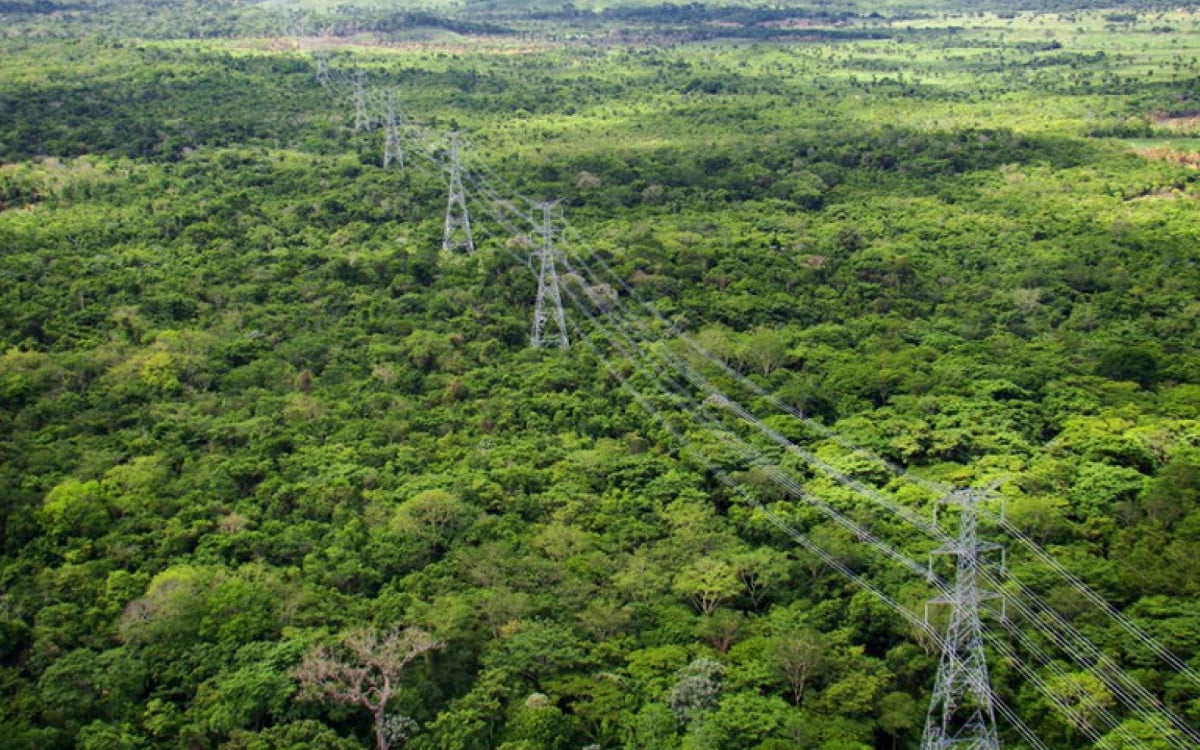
(364, 671)
(798, 657)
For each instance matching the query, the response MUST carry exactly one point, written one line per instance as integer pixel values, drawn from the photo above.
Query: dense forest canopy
(264, 443)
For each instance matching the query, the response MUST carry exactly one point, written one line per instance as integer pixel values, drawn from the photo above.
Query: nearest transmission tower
(391, 136)
(362, 121)
(548, 287)
(457, 217)
(961, 715)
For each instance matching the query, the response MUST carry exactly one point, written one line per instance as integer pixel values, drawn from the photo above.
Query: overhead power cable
(506, 212)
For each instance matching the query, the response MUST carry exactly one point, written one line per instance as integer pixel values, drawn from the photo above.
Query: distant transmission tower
(322, 70)
(457, 217)
(961, 714)
(548, 287)
(391, 136)
(361, 120)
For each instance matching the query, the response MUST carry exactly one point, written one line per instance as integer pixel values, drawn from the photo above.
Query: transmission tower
(456, 206)
(322, 70)
(961, 715)
(391, 136)
(547, 287)
(361, 120)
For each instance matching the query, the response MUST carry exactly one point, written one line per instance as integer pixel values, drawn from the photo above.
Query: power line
(1138, 633)
(457, 200)
(861, 489)
(637, 353)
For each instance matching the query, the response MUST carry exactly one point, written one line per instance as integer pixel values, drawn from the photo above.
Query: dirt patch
(1186, 122)
(456, 44)
(791, 23)
(1162, 153)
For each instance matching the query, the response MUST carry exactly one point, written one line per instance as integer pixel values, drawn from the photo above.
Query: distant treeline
(220, 19)
(37, 7)
(701, 13)
(1063, 6)
(669, 14)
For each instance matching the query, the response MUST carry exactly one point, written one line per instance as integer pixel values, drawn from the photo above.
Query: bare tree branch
(363, 671)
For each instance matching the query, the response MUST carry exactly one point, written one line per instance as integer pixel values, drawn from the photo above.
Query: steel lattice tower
(961, 715)
(361, 120)
(456, 205)
(391, 136)
(322, 70)
(548, 288)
